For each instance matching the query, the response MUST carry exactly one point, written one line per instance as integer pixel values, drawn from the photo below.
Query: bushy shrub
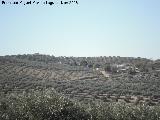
(48, 105)
(40, 105)
(122, 111)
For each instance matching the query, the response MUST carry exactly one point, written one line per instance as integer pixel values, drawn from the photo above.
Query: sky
(128, 28)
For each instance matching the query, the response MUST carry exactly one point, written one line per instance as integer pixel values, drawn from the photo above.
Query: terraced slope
(25, 74)
(22, 73)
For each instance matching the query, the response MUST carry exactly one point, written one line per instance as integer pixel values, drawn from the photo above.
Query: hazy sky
(96, 28)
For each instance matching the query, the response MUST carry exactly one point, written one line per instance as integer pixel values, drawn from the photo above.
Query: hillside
(107, 79)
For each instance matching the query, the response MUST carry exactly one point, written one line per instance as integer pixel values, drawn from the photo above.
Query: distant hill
(80, 78)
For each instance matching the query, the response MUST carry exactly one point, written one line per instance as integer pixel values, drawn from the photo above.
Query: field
(102, 88)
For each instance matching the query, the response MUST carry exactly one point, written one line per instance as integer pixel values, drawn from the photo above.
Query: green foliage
(84, 63)
(40, 105)
(48, 105)
(107, 68)
(25, 72)
(120, 111)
